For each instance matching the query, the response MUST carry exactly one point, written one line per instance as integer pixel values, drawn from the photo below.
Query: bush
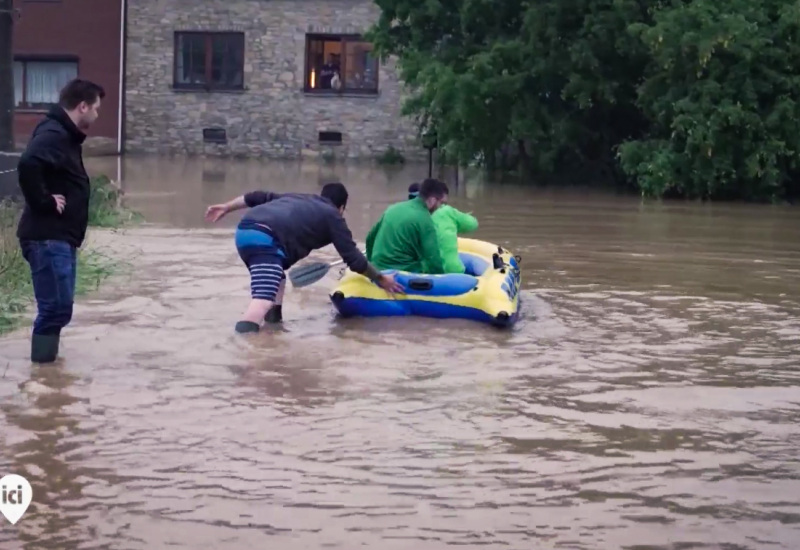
(105, 204)
(391, 156)
(15, 279)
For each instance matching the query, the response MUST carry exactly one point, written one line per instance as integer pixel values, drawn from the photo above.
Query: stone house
(260, 78)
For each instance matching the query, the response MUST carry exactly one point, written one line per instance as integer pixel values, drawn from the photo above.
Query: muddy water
(648, 399)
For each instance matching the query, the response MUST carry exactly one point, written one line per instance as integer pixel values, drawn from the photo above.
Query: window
(340, 63)
(209, 61)
(38, 82)
(330, 137)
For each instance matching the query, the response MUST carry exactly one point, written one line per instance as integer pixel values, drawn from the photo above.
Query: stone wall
(272, 117)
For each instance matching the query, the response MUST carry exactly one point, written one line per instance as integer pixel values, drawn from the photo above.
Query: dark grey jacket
(303, 223)
(52, 164)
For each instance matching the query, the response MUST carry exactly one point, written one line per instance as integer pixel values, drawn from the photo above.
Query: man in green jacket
(450, 222)
(405, 237)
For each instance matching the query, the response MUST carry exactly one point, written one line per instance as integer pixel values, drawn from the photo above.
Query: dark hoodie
(303, 223)
(52, 164)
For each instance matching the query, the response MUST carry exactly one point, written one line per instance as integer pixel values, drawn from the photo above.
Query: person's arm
(342, 240)
(465, 223)
(254, 198)
(248, 200)
(371, 237)
(42, 155)
(431, 253)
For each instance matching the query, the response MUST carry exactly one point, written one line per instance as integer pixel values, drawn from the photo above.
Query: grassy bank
(94, 265)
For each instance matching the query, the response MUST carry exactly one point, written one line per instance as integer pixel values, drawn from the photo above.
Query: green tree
(687, 97)
(549, 80)
(721, 90)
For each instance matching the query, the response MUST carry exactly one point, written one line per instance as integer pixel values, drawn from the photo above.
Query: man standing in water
(53, 223)
(281, 229)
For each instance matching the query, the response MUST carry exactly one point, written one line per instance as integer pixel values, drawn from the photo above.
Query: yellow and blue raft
(489, 291)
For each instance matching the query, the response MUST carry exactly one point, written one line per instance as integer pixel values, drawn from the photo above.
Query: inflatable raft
(487, 292)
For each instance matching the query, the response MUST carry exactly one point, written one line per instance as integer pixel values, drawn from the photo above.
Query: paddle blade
(308, 274)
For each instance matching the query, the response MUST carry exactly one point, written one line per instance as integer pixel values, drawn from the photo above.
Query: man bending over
(281, 229)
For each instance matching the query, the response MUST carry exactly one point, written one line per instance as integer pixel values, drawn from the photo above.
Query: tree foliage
(692, 98)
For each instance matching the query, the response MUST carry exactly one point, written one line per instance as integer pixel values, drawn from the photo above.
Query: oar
(309, 274)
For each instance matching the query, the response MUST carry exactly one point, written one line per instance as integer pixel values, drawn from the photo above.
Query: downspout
(120, 109)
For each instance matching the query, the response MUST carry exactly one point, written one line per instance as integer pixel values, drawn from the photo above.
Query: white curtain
(44, 79)
(17, 82)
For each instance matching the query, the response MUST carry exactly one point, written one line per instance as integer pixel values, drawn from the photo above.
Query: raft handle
(420, 284)
(497, 262)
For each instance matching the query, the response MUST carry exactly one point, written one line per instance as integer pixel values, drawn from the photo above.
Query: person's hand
(387, 283)
(216, 211)
(61, 203)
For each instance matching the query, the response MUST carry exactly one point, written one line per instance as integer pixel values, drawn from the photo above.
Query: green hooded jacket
(450, 223)
(405, 239)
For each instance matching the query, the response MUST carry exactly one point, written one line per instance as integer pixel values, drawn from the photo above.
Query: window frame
(344, 38)
(24, 105)
(208, 60)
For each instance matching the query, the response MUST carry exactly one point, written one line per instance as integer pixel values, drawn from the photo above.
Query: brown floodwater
(647, 399)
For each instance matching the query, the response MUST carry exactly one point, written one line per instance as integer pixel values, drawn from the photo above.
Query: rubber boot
(243, 327)
(44, 348)
(274, 315)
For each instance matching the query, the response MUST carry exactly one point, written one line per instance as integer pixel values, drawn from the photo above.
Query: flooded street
(648, 398)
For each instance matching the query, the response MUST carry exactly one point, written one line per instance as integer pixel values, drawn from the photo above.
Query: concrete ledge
(92, 147)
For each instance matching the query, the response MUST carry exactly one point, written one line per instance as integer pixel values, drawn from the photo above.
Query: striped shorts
(264, 257)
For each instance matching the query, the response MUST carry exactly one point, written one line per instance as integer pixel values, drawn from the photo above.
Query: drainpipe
(122, 25)
(7, 103)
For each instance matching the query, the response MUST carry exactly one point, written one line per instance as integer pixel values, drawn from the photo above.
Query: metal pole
(430, 162)
(6, 75)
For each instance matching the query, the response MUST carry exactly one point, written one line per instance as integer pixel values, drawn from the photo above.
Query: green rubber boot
(44, 348)
(274, 315)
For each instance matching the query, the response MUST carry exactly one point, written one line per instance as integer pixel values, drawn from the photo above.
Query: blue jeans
(53, 268)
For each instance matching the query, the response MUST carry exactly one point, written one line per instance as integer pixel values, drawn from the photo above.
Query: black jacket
(303, 223)
(52, 164)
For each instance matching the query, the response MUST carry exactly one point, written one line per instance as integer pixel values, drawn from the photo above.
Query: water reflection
(42, 440)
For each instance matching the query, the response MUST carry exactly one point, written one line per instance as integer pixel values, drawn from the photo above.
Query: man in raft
(405, 237)
(278, 230)
(450, 222)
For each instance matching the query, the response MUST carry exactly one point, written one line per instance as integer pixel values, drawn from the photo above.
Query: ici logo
(15, 497)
